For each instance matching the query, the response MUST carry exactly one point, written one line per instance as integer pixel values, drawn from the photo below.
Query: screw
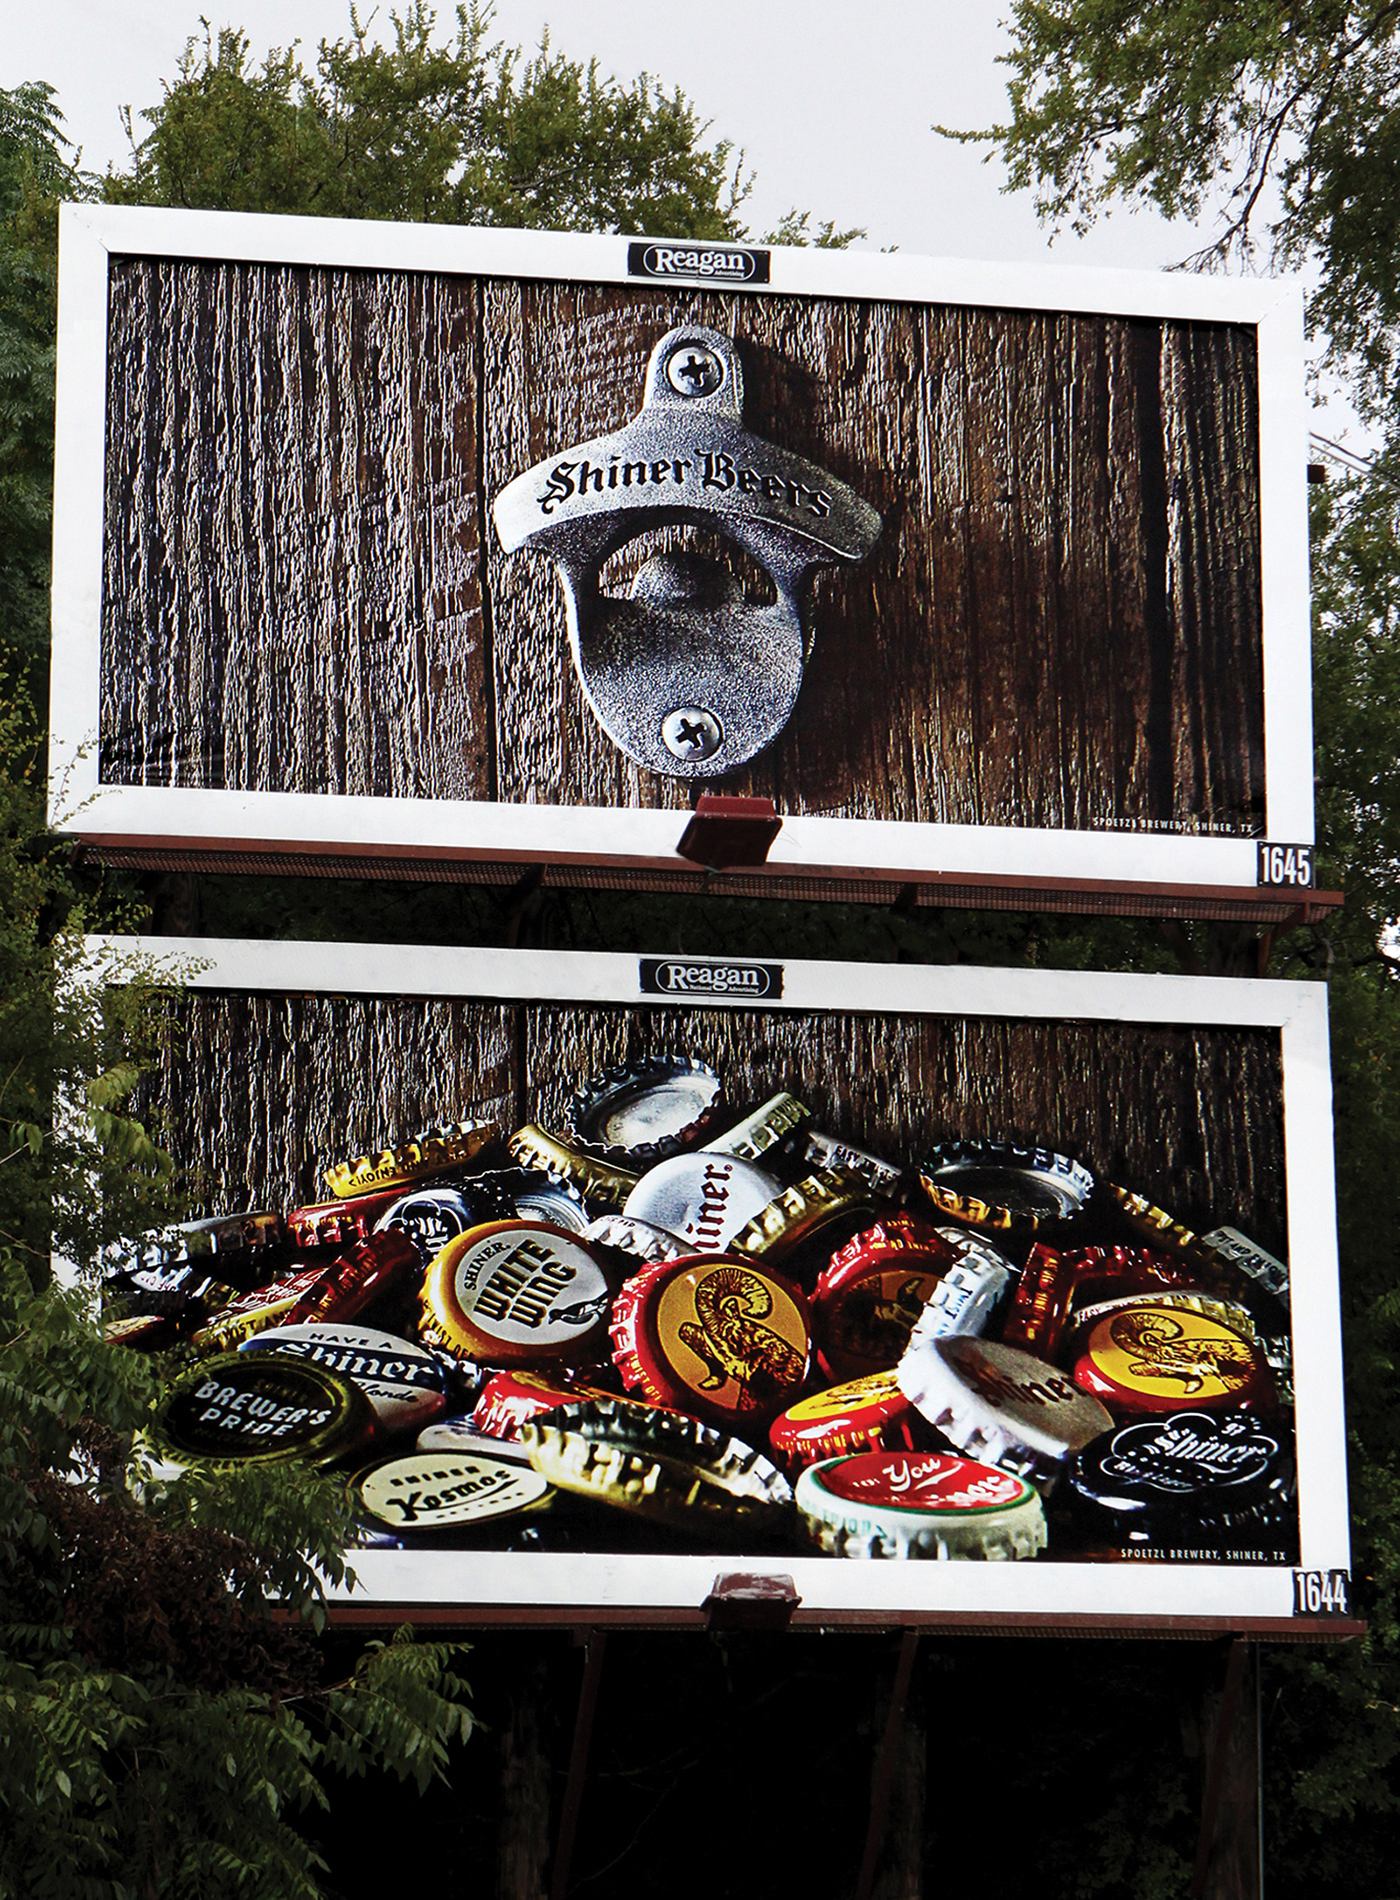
(692, 733)
(694, 370)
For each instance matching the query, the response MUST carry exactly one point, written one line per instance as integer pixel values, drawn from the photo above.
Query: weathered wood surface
(263, 1093)
(292, 599)
(1058, 626)
(259, 1095)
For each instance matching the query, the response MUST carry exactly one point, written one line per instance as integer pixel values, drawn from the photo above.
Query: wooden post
(885, 1768)
(1228, 1848)
(578, 1762)
(522, 1831)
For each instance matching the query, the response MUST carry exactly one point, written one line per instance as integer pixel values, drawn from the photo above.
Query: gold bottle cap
(1223, 1312)
(435, 1151)
(762, 1130)
(1155, 1225)
(797, 1213)
(534, 1147)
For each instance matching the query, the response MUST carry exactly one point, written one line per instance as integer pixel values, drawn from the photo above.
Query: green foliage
(462, 132)
(1272, 112)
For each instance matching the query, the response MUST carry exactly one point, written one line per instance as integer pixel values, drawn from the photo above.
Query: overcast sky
(831, 102)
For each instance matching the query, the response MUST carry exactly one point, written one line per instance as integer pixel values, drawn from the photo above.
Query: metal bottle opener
(684, 676)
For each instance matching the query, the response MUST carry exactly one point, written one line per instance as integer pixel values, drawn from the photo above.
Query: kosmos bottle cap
(1001, 1405)
(256, 1408)
(873, 1291)
(446, 1490)
(435, 1151)
(919, 1504)
(1148, 1359)
(724, 1339)
(1169, 1480)
(868, 1414)
(669, 1469)
(515, 1293)
(406, 1386)
(703, 1199)
(1004, 1187)
(642, 1112)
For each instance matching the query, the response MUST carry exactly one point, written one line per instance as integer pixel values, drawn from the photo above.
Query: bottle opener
(685, 676)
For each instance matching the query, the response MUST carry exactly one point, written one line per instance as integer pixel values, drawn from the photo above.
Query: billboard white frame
(570, 1588)
(335, 824)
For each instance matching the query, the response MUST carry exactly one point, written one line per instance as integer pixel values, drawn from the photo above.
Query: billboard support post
(594, 1642)
(1218, 1762)
(884, 1767)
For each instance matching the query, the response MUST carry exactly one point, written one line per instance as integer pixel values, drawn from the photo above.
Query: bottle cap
(434, 1151)
(827, 1151)
(405, 1385)
(919, 1504)
(873, 1291)
(1247, 1257)
(1143, 1359)
(459, 1434)
(721, 1338)
(515, 1293)
(1004, 1186)
(244, 1243)
(1086, 1318)
(338, 1223)
(257, 1408)
(143, 1331)
(703, 1199)
(865, 1414)
(363, 1275)
(624, 1233)
(645, 1111)
(1170, 1480)
(999, 1404)
(445, 1490)
(1055, 1284)
(533, 1194)
(762, 1131)
(670, 1469)
(254, 1312)
(797, 1214)
(1156, 1227)
(970, 1292)
(599, 1183)
(509, 1398)
(432, 1216)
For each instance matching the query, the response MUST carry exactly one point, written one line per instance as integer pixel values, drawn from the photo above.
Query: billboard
(447, 545)
(949, 1293)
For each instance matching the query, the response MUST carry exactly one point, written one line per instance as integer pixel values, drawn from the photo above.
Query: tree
(1268, 113)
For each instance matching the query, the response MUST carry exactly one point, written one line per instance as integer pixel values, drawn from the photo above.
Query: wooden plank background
(261, 1094)
(1059, 625)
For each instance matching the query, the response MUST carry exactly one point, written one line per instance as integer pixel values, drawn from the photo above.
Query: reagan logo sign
(728, 264)
(688, 976)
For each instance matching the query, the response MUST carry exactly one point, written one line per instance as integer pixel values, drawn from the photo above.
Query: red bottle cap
(871, 1294)
(338, 1223)
(723, 1339)
(363, 1274)
(1154, 1359)
(509, 1398)
(868, 1414)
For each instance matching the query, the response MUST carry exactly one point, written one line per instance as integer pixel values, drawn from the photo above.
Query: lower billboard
(947, 1293)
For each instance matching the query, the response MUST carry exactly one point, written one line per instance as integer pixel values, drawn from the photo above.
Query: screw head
(693, 369)
(691, 732)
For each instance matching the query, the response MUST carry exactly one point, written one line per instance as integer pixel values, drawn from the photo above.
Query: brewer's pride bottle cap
(406, 1386)
(644, 1111)
(515, 1293)
(996, 1403)
(1150, 1359)
(1005, 1187)
(446, 1490)
(724, 1339)
(872, 1292)
(703, 1199)
(919, 1504)
(256, 1408)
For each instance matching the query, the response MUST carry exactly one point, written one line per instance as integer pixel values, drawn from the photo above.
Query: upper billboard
(598, 1276)
(442, 543)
